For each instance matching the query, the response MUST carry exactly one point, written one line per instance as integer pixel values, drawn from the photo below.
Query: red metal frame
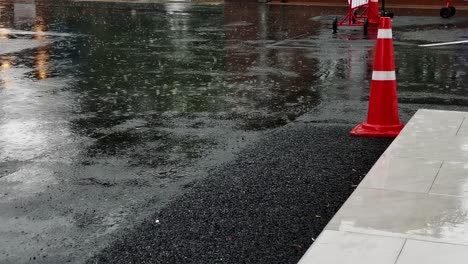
(357, 20)
(448, 3)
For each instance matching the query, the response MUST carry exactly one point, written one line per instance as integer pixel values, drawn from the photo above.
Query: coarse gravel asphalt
(265, 207)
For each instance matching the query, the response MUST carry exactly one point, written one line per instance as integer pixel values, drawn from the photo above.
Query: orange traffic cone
(382, 117)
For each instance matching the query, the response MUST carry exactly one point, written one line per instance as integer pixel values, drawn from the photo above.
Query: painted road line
(281, 42)
(444, 43)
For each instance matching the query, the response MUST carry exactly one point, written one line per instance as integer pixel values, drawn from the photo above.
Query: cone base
(368, 130)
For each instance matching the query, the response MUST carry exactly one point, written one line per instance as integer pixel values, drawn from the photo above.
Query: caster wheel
(445, 12)
(387, 14)
(366, 26)
(335, 25)
(453, 10)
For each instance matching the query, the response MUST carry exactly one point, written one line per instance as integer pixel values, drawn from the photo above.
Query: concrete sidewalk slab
(354, 248)
(412, 207)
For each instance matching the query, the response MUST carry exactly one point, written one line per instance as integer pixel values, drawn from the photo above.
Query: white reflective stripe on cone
(383, 76)
(384, 34)
(374, 1)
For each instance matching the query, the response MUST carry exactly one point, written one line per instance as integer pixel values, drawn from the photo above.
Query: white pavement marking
(444, 43)
(289, 39)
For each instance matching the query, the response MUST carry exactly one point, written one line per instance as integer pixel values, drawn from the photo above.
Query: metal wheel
(366, 26)
(453, 10)
(445, 12)
(389, 14)
(335, 25)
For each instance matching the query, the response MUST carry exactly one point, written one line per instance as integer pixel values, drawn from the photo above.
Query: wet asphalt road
(181, 133)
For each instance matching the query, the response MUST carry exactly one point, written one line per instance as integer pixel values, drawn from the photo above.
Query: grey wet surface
(111, 112)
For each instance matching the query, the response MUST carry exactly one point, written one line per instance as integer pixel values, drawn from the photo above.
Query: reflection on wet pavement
(105, 107)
